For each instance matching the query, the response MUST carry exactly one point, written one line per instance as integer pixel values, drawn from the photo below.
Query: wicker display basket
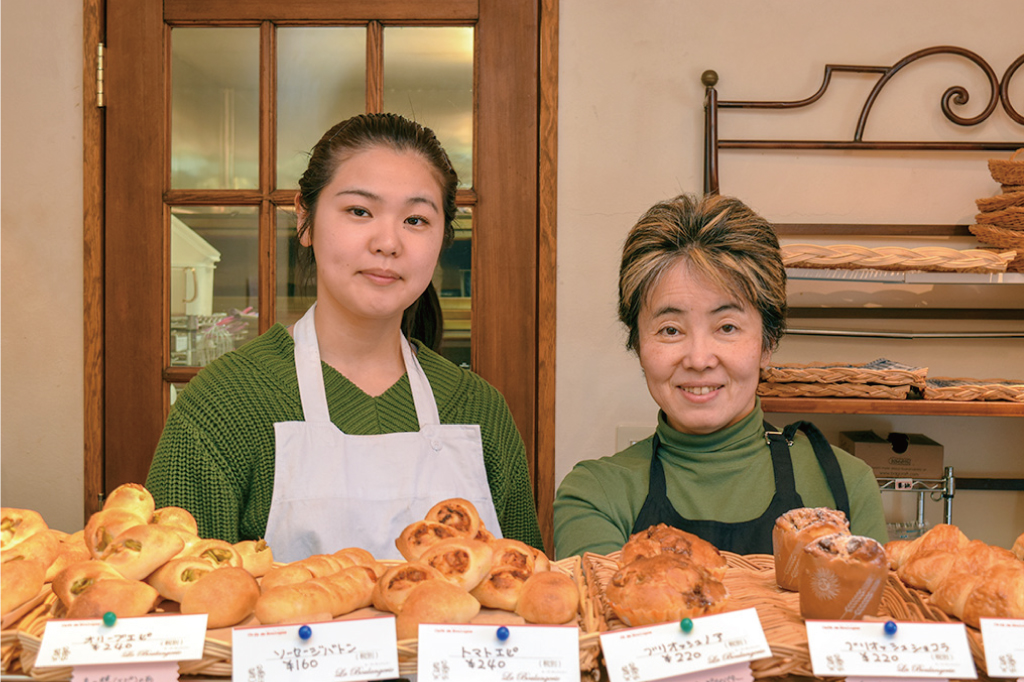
(1011, 217)
(949, 388)
(1008, 172)
(999, 236)
(840, 390)
(1000, 202)
(927, 258)
(880, 371)
(751, 583)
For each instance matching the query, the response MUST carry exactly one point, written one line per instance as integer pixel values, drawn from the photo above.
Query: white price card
(128, 640)
(341, 650)
(451, 653)
(846, 648)
(1004, 647)
(661, 651)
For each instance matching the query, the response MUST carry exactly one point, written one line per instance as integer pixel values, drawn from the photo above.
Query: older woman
(702, 292)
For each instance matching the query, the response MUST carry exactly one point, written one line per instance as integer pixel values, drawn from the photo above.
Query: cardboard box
(909, 455)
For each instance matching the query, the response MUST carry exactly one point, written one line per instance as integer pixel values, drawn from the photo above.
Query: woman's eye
(416, 221)
(729, 328)
(359, 212)
(670, 331)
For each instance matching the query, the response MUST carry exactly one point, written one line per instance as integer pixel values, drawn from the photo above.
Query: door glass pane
(428, 76)
(215, 96)
(214, 281)
(321, 80)
(296, 285)
(453, 283)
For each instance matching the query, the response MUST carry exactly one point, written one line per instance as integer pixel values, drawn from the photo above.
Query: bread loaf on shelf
(796, 529)
(842, 577)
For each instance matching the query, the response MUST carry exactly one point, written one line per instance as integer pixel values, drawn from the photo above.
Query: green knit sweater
(216, 455)
(725, 476)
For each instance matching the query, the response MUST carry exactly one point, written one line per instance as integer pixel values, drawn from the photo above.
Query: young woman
(340, 431)
(702, 293)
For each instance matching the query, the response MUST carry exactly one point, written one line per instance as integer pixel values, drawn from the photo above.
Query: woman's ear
(300, 217)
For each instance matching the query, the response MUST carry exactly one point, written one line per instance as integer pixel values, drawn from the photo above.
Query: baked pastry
(20, 581)
(393, 588)
(125, 598)
(896, 551)
(665, 539)
(925, 570)
(514, 554)
(999, 593)
(131, 497)
(484, 535)
(73, 581)
(1018, 547)
(257, 557)
(549, 598)
(228, 595)
(842, 577)
(663, 588)
(289, 574)
(140, 550)
(501, 587)
(793, 531)
(42, 546)
(357, 556)
(943, 537)
(325, 598)
(177, 517)
(218, 552)
(968, 566)
(435, 601)
(462, 561)
(107, 524)
(351, 588)
(71, 550)
(174, 578)
(419, 536)
(18, 524)
(457, 513)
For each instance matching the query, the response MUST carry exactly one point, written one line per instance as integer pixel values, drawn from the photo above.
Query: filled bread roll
(501, 587)
(665, 539)
(1018, 547)
(457, 513)
(999, 593)
(514, 554)
(72, 550)
(73, 581)
(189, 540)
(140, 550)
(793, 531)
(228, 595)
(548, 598)
(941, 537)
(125, 598)
(107, 524)
(20, 581)
(218, 552)
(419, 536)
(357, 556)
(394, 586)
(663, 588)
(175, 577)
(257, 557)
(351, 587)
(435, 601)
(968, 566)
(484, 535)
(925, 570)
(131, 497)
(328, 597)
(842, 577)
(42, 546)
(289, 574)
(177, 517)
(462, 561)
(18, 524)
(320, 565)
(896, 551)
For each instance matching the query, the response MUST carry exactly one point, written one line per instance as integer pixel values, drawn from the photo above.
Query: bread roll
(457, 513)
(462, 561)
(217, 552)
(793, 531)
(320, 565)
(328, 597)
(513, 554)
(227, 594)
(359, 557)
(140, 550)
(842, 577)
(177, 517)
(20, 581)
(896, 551)
(131, 497)
(501, 587)
(18, 524)
(435, 601)
(549, 598)
(352, 588)
(257, 557)
(125, 598)
(73, 581)
(663, 588)
(968, 566)
(484, 535)
(72, 550)
(420, 536)
(924, 570)
(665, 539)
(175, 577)
(107, 524)
(42, 546)
(941, 537)
(1018, 547)
(394, 586)
(999, 593)
(289, 574)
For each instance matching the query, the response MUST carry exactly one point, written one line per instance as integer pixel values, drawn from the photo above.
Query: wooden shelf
(898, 407)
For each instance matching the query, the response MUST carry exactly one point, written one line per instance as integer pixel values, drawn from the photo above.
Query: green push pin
(686, 624)
(109, 618)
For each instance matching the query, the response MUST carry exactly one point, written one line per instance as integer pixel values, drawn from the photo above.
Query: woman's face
(700, 349)
(377, 234)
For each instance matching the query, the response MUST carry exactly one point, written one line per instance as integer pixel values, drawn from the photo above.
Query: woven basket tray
(1011, 217)
(926, 258)
(841, 390)
(1000, 202)
(999, 236)
(751, 583)
(1008, 172)
(216, 661)
(880, 371)
(947, 388)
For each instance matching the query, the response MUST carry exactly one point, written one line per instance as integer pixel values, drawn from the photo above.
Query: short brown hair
(723, 240)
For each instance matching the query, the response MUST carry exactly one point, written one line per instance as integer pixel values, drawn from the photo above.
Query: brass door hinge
(100, 102)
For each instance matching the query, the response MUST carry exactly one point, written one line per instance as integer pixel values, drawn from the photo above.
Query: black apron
(754, 536)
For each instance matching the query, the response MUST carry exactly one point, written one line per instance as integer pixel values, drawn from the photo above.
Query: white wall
(42, 401)
(630, 134)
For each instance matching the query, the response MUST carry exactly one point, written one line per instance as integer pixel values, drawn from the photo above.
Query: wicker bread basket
(928, 258)
(770, 389)
(1000, 202)
(1011, 217)
(1008, 172)
(999, 236)
(880, 371)
(949, 388)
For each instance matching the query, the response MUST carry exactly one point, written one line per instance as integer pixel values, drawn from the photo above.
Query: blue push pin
(890, 628)
(109, 618)
(503, 633)
(686, 624)
(305, 632)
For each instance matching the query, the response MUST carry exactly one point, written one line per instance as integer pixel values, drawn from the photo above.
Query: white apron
(333, 490)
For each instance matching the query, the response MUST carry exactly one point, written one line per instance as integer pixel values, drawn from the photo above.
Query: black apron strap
(826, 459)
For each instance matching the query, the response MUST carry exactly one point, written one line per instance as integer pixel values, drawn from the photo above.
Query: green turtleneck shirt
(216, 455)
(725, 476)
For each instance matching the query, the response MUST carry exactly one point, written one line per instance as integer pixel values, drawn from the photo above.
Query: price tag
(904, 484)
(164, 671)
(1004, 647)
(660, 651)
(863, 649)
(451, 653)
(128, 640)
(336, 650)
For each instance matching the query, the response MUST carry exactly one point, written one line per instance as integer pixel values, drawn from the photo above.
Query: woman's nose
(699, 353)
(386, 238)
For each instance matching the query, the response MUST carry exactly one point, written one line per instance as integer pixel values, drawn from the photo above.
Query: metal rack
(936, 488)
